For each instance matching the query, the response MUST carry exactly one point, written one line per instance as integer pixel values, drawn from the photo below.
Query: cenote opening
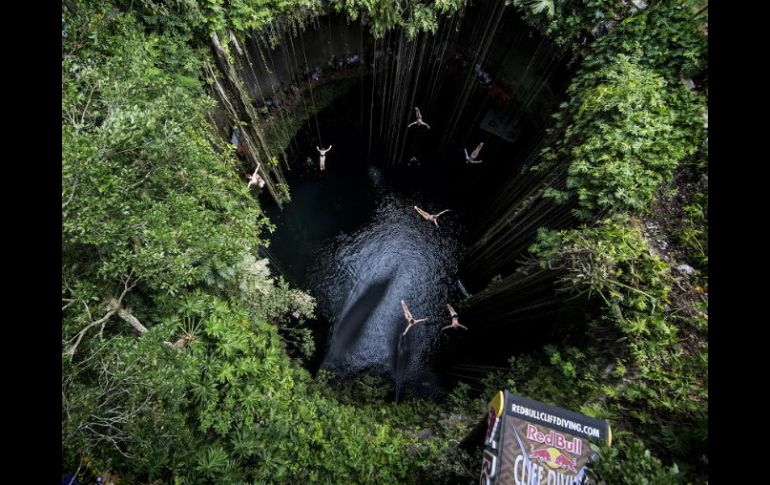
(572, 184)
(350, 235)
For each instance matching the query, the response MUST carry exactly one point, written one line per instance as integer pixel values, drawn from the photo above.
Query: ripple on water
(360, 278)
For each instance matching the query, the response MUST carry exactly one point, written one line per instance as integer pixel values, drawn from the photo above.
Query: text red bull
(557, 440)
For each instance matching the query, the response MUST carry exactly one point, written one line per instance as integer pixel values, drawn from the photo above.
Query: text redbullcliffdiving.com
(551, 419)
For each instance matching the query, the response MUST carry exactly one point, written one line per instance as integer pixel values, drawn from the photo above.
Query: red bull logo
(563, 461)
(540, 455)
(554, 458)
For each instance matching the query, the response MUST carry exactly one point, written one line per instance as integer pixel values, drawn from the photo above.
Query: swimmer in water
(322, 158)
(473, 156)
(429, 217)
(410, 320)
(255, 179)
(455, 319)
(419, 120)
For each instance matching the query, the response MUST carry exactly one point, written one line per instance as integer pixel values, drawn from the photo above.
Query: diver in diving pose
(410, 320)
(429, 217)
(255, 179)
(322, 158)
(473, 156)
(455, 319)
(419, 120)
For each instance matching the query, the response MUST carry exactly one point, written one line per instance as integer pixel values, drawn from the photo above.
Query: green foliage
(435, 454)
(496, 280)
(630, 462)
(619, 139)
(144, 192)
(693, 232)
(186, 17)
(540, 6)
(230, 407)
(384, 15)
(663, 37)
(688, 220)
(124, 407)
(248, 16)
(636, 363)
(613, 261)
(568, 23)
(199, 18)
(628, 122)
(558, 196)
(292, 435)
(566, 367)
(666, 421)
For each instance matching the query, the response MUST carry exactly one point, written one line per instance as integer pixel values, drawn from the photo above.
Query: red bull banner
(532, 443)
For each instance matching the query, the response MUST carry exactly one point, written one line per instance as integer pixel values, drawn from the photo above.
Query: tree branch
(114, 306)
(131, 320)
(79, 336)
(72, 194)
(88, 102)
(69, 301)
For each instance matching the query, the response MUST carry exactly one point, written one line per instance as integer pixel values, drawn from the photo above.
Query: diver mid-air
(419, 120)
(429, 217)
(255, 179)
(410, 320)
(322, 158)
(455, 319)
(472, 158)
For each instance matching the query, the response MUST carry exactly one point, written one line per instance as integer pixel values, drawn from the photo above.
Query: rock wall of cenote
(272, 82)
